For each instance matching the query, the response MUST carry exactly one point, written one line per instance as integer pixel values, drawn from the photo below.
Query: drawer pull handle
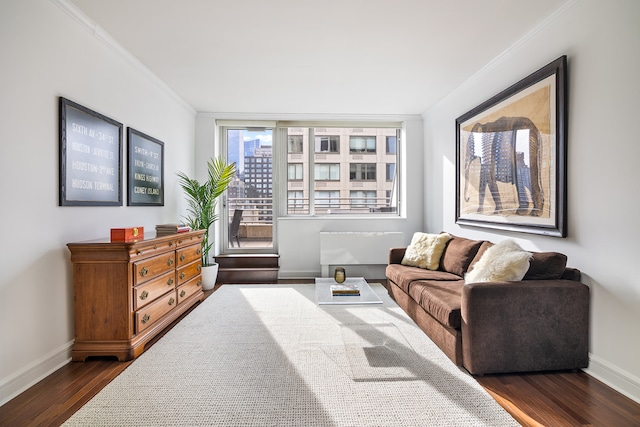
(179, 242)
(199, 283)
(182, 257)
(170, 262)
(183, 293)
(145, 318)
(182, 275)
(199, 268)
(144, 295)
(170, 243)
(198, 251)
(171, 301)
(170, 281)
(144, 271)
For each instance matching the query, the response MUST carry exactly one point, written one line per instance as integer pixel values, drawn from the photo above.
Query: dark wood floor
(542, 399)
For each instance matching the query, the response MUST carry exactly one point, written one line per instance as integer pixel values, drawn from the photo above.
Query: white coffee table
(324, 296)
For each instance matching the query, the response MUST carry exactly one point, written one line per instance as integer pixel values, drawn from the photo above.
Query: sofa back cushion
(458, 255)
(546, 266)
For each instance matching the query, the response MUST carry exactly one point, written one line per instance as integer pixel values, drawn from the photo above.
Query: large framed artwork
(90, 157)
(511, 157)
(145, 170)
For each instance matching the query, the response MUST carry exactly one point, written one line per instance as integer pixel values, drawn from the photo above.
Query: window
(295, 171)
(294, 144)
(362, 144)
(362, 171)
(327, 199)
(390, 171)
(363, 199)
(327, 144)
(347, 170)
(296, 201)
(327, 172)
(391, 144)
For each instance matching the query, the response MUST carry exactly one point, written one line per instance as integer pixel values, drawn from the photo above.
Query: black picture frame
(511, 157)
(90, 157)
(145, 169)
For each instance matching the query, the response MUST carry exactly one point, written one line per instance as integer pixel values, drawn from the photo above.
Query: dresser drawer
(151, 248)
(153, 267)
(149, 291)
(189, 239)
(189, 271)
(188, 254)
(191, 287)
(151, 313)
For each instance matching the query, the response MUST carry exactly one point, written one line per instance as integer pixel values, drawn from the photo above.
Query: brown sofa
(538, 324)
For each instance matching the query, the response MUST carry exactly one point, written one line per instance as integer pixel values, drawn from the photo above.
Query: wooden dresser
(125, 293)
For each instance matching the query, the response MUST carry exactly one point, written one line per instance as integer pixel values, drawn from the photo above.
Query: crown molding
(102, 36)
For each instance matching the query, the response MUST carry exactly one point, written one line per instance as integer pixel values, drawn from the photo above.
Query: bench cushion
(440, 298)
(403, 275)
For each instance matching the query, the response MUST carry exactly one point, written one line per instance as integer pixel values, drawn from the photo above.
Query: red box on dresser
(127, 234)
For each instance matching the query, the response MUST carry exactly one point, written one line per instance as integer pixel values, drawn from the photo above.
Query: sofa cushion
(441, 299)
(546, 266)
(425, 250)
(483, 248)
(403, 275)
(504, 261)
(458, 255)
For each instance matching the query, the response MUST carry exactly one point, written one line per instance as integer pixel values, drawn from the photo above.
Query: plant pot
(209, 276)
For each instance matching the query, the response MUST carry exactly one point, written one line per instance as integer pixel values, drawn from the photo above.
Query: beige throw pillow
(504, 261)
(426, 250)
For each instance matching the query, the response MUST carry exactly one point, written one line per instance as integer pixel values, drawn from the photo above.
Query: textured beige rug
(268, 355)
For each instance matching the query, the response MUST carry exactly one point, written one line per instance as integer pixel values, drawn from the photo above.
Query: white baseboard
(15, 384)
(619, 380)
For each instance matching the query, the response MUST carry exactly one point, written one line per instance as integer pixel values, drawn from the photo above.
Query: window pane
(294, 144)
(346, 173)
(362, 144)
(391, 144)
(327, 172)
(362, 171)
(295, 171)
(327, 144)
(390, 169)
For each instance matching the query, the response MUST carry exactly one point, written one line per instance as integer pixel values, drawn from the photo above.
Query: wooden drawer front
(188, 254)
(190, 239)
(184, 274)
(150, 248)
(146, 293)
(191, 287)
(153, 267)
(146, 316)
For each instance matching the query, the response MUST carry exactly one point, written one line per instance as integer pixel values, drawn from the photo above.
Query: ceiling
(316, 56)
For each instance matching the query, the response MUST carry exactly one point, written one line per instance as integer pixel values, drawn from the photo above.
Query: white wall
(602, 41)
(298, 239)
(47, 53)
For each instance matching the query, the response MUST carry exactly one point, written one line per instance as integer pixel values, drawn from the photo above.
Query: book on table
(340, 289)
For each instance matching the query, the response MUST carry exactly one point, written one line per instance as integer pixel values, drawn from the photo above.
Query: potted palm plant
(203, 200)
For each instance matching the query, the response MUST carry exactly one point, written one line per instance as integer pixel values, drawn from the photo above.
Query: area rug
(268, 355)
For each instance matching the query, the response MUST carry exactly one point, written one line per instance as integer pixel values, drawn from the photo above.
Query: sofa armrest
(533, 325)
(396, 255)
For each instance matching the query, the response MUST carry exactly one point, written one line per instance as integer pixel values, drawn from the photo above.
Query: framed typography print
(511, 157)
(90, 157)
(145, 170)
